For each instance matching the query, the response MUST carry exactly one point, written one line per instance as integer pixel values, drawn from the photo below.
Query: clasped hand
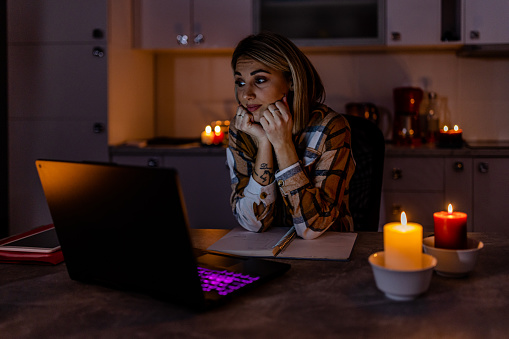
(276, 124)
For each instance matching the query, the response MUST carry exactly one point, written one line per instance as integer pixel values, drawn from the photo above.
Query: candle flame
(449, 208)
(208, 129)
(217, 129)
(456, 128)
(403, 218)
(446, 128)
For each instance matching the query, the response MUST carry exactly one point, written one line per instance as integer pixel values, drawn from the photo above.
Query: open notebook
(329, 246)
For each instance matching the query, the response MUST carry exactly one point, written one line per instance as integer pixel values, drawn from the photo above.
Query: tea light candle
(403, 245)
(207, 137)
(450, 229)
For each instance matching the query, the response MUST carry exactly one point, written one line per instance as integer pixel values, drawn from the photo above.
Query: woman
(289, 155)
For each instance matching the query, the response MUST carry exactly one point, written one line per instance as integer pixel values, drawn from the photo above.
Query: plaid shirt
(312, 194)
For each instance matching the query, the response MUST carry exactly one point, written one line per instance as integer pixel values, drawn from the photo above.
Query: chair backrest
(365, 190)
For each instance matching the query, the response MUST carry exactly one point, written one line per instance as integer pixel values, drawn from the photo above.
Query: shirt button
(280, 183)
(263, 195)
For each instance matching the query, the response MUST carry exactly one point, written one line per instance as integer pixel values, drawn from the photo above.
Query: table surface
(315, 299)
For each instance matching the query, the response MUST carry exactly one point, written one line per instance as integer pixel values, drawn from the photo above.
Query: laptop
(126, 227)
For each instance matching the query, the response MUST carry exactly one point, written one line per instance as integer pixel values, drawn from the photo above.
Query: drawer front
(139, 160)
(419, 207)
(413, 174)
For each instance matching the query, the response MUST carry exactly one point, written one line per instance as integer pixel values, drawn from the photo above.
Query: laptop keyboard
(223, 282)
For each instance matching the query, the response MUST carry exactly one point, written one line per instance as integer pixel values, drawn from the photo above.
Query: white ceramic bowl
(453, 263)
(398, 284)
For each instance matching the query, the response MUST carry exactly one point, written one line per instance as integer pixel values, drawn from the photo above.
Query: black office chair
(368, 149)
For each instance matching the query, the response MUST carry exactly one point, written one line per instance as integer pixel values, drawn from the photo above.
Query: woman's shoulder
(325, 116)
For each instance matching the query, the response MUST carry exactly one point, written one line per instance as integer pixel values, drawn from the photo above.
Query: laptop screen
(123, 226)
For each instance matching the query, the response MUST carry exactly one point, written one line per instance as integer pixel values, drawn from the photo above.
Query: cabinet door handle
(152, 162)
(458, 166)
(98, 128)
(484, 167)
(98, 52)
(98, 33)
(475, 35)
(182, 39)
(198, 39)
(397, 173)
(395, 36)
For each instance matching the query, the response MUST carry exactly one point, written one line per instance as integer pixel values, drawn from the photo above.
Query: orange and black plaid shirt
(312, 194)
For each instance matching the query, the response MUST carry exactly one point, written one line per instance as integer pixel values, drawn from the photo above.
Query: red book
(13, 257)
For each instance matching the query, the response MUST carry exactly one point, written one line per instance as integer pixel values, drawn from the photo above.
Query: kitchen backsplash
(193, 90)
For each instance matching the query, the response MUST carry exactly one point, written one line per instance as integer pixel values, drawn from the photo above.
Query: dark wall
(4, 201)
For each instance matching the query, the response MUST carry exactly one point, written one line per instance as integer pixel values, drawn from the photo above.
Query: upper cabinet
(323, 23)
(441, 22)
(486, 22)
(413, 22)
(178, 24)
(417, 22)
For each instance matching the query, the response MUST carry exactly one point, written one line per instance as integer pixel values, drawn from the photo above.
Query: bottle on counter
(432, 114)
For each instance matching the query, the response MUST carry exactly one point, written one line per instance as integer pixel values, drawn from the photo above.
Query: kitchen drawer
(419, 207)
(409, 174)
(137, 160)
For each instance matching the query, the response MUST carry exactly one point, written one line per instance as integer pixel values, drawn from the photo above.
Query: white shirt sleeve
(254, 194)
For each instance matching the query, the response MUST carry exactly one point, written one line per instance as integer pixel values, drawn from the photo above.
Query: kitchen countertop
(485, 149)
(191, 149)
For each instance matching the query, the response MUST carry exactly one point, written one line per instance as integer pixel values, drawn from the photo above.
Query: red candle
(218, 135)
(450, 229)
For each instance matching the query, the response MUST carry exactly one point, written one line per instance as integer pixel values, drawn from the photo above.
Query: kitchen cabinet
(56, 21)
(413, 22)
(458, 187)
(323, 23)
(57, 88)
(491, 194)
(423, 23)
(163, 24)
(423, 181)
(413, 185)
(440, 22)
(486, 22)
(205, 182)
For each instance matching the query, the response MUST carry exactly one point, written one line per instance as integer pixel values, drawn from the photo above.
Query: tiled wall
(192, 89)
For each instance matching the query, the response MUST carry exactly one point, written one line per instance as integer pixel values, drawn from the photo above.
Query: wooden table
(315, 299)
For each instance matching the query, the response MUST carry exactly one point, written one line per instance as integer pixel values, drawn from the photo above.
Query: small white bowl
(402, 285)
(453, 263)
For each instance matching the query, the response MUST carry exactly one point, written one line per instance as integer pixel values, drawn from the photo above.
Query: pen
(283, 243)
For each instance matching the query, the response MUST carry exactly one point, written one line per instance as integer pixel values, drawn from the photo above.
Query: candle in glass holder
(450, 229)
(450, 138)
(403, 245)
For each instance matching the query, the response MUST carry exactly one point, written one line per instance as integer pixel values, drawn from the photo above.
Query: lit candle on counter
(218, 135)
(450, 138)
(403, 245)
(450, 229)
(207, 137)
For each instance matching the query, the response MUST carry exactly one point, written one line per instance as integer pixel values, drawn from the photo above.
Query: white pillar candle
(403, 245)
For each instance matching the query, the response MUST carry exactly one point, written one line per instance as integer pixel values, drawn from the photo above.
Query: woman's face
(258, 86)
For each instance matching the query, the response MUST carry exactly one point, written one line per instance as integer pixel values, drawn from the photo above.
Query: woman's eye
(239, 83)
(260, 80)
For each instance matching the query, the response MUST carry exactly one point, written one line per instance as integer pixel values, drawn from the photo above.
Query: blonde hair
(278, 52)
